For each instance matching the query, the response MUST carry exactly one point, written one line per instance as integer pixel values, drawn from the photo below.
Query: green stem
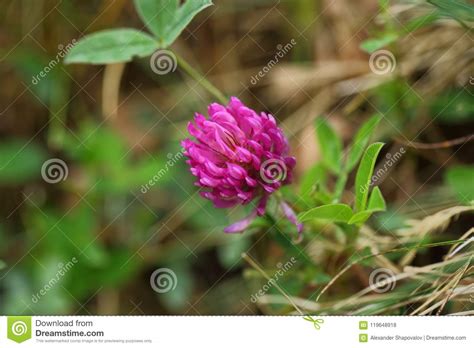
(252, 263)
(201, 80)
(351, 231)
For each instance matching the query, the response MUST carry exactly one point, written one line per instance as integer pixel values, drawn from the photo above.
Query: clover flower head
(238, 156)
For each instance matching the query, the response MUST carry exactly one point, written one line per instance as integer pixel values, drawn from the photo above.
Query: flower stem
(201, 80)
(252, 263)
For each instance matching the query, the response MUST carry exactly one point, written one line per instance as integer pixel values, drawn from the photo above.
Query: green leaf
(360, 217)
(364, 174)
(166, 19)
(376, 201)
(2, 265)
(20, 161)
(330, 145)
(332, 212)
(457, 9)
(112, 46)
(420, 22)
(372, 45)
(460, 178)
(322, 197)
(360, 142)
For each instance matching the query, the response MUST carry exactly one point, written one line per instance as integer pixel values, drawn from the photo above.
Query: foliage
(166, 19)
(331, 148)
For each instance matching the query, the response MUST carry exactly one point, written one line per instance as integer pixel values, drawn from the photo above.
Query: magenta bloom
(238, 156)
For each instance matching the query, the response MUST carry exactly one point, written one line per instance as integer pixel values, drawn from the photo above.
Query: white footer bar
(235, 331)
